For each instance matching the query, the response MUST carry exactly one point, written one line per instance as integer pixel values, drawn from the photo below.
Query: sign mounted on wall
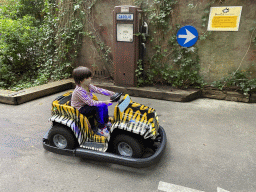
(224, 18)
(187, 36)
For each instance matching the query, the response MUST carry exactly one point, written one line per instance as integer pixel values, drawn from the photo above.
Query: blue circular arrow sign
(187, 36)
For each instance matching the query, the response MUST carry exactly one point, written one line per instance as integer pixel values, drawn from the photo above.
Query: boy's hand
(108, 102)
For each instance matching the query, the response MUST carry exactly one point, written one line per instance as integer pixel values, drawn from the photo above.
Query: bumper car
(136, 139)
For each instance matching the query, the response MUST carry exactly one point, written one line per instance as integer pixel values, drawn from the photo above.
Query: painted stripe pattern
(138, 119)
(79, 124)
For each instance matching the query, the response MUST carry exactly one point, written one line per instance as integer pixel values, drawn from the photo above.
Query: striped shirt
(80, 96)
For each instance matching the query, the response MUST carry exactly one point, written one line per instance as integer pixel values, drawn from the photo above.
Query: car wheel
(62, 138)
(128, 146)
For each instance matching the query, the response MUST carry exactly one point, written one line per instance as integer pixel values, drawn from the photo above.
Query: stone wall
(220, 54)
(228, 95)
(225, 52)
(101, 24)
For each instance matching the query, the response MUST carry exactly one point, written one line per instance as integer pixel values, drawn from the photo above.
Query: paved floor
(211, 144)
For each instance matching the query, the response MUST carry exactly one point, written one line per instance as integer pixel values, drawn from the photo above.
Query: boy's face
(86, 82)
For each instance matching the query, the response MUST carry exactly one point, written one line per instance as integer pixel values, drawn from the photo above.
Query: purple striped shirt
(80, 96)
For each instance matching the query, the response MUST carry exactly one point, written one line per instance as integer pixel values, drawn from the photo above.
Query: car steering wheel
(116, 97)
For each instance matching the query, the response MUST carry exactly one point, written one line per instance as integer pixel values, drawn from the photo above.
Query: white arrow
(188, 37)
(221, 190)
(168, 187)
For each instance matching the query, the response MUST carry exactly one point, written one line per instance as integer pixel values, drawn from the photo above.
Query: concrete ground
(211, 146)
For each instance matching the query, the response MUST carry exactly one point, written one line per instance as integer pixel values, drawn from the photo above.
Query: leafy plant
(239, 80)
(39, 40)
(169, 64)
(18, 50)
(139, 73)
(61, 31)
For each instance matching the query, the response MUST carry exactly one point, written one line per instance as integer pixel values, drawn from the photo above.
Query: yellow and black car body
(130, 118)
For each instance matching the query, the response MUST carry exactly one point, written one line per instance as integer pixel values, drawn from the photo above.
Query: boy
(82, 99)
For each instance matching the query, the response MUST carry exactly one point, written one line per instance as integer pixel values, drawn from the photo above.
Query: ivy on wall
(240, 80)
(93, 34)
(41, 39)
(177, 66)
(62, 33)
(170, 64)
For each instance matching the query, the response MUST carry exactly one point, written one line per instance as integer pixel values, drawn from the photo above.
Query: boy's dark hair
(81, 73)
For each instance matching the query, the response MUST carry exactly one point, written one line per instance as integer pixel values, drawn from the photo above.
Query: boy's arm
(101, 90)
(81, 94)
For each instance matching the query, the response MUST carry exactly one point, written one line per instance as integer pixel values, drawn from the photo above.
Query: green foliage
(187, 66)
(170, 64)
(240, 80)
(173, 64)
(18, 50)
(205, 19)
(18, 8)
(102, 48)
(19, 44)
(40, 41)
(253, 29)
(31, 7)
(61, 35)
(139, 73)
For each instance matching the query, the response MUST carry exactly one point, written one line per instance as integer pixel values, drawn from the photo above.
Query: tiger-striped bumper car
(136, 138)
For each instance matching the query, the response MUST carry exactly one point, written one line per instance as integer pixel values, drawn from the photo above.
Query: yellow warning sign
(224, 22)
(224, 18)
